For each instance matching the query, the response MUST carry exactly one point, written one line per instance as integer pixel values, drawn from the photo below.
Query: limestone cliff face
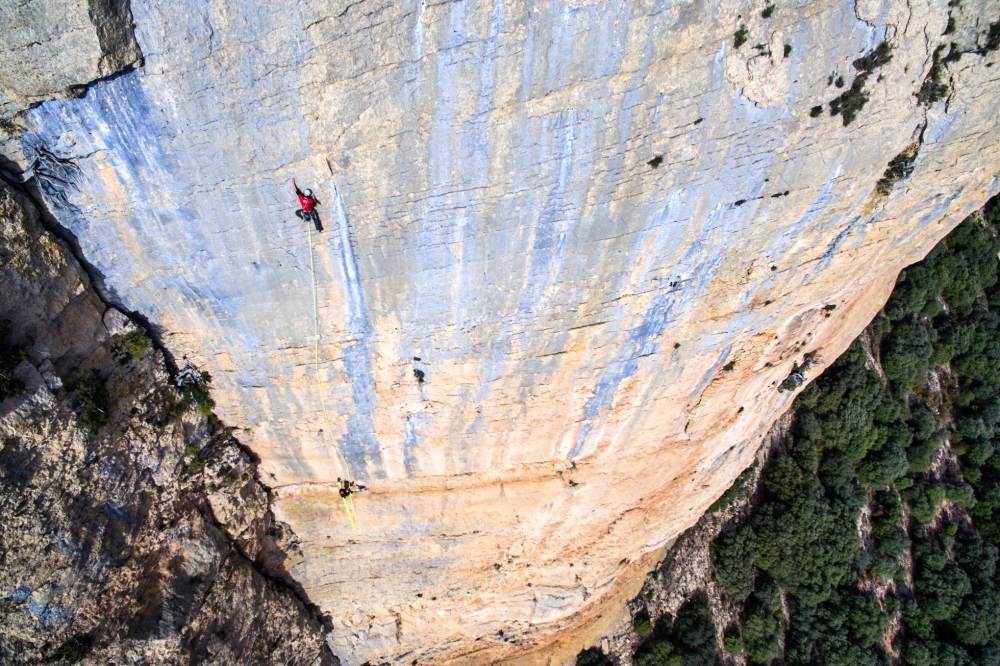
(572, 249)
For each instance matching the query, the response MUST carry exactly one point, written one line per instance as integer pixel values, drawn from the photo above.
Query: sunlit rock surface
(599, 232)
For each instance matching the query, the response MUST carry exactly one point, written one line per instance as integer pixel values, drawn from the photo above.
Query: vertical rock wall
(571, 249)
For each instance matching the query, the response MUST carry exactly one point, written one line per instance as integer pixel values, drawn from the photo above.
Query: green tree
(93, 403)
(761, 624)
(733, 555)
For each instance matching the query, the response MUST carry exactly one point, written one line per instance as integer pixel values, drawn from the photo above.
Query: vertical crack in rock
(113, 21)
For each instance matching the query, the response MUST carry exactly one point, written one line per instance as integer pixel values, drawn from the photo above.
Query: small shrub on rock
(740, 36)
(592, 657)
(194, 388)
(93, 403)
(136, 344)
(10, 357)
(642, 626)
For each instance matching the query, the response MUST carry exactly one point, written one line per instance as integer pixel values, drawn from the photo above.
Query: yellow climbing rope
(319, 382)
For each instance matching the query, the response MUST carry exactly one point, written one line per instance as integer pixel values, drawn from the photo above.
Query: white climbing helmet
(308, 193)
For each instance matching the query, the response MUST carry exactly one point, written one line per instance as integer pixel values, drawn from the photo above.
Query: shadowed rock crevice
(113, 21)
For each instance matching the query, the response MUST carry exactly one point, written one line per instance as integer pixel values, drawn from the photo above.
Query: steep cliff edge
(572, 251)
(869, 533)
(133, 531)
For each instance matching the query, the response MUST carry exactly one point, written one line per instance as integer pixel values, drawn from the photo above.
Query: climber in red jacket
(344, 487)
(308, 203)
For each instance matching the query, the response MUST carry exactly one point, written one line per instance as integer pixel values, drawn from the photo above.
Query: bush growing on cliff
(196, 390)
(845, 629)
(10, 357)
(732, 644)
(886, 514)
(932, 90)
(136, 344)
(806, 538)
(844, 403)
(735, 490)
(693, 633)
(658, 652)
(740, 36)
(687, 640)
(849, 103)
(899, 168)
(906, 353)
(733, 555)
(642, 626)
(592, 657)
(197, 461)
(92, 402)
(761, 624)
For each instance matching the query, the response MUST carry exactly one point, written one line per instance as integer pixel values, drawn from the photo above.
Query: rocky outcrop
(572, 252)
(54, 48)
(146, 540)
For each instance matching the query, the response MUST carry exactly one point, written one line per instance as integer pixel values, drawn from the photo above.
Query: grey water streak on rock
(360, 443)
(508, 226)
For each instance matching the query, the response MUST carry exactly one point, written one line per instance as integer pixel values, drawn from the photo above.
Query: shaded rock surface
(147, 541)
(572, 250)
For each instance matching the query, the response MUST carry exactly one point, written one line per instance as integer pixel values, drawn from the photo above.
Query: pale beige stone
(117, 323)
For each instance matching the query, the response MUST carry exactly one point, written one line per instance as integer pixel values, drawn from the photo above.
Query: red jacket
(307, 203)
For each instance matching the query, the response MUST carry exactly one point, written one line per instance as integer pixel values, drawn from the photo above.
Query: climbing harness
(348, 504)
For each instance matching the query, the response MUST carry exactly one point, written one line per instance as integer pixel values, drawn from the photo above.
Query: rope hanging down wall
(319, 382)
